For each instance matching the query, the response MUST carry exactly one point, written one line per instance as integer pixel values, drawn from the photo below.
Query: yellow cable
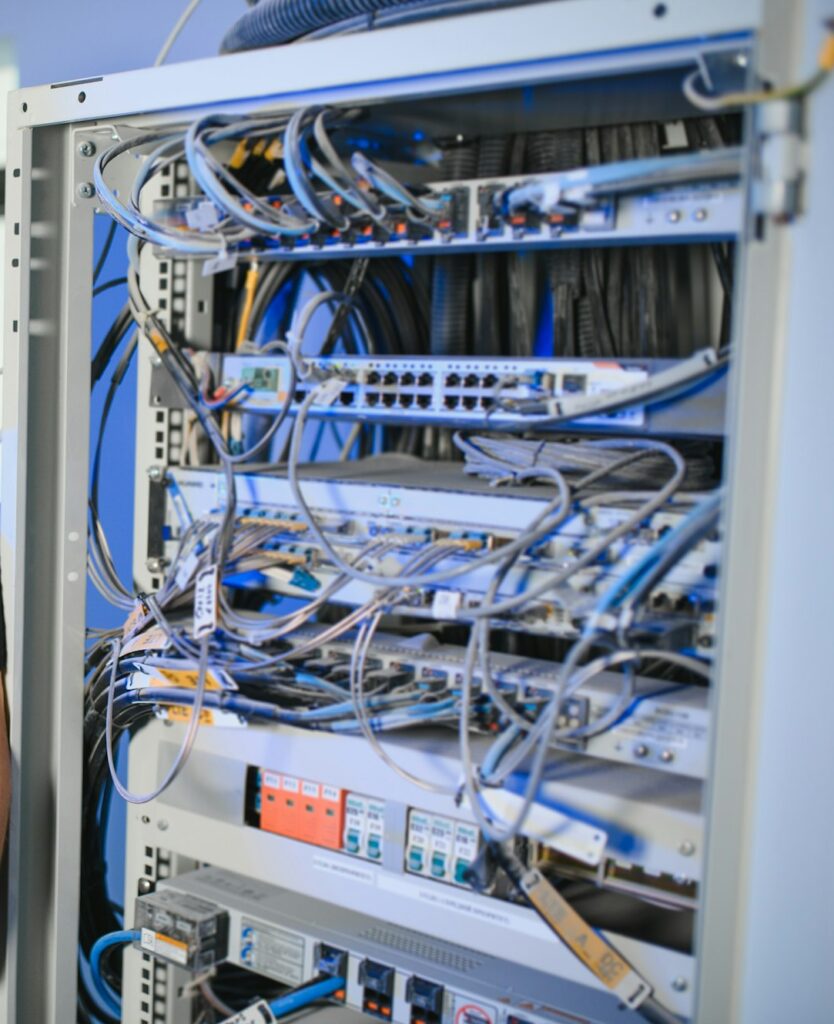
(240, 155)
(249, 287)
(825, 64)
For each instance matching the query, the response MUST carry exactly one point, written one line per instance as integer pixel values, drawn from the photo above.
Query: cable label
(260, 1013)
(205, 602)
(329, 391)
(600, 958)
(164, 946)
(153, 639)
(219, 264)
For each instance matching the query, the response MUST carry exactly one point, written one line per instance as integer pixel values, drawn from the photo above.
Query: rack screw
(155, 473)
(86, 190)
(680, 984)
(86, 148)
(686, 848)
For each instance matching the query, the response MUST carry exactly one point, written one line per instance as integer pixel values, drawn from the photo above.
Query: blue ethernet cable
(108, 996)
(303, 997)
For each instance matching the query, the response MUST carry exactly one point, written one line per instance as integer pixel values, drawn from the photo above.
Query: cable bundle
(491, 456)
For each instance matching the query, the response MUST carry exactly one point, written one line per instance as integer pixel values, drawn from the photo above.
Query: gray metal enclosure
(765, 926)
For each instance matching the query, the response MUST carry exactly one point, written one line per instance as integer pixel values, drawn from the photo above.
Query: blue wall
(57, 41)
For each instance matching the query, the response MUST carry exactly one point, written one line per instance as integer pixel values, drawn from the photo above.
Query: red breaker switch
(280, 804)
(301, 809)
(331, 817)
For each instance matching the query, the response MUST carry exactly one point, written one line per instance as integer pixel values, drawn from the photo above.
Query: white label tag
(567, 835)
(202, 217)
(610, 383)
(153, 639)
(218, 264)
(446, 604)
(329, 391)
(205, 602)
(349, 869)
(260, 1013)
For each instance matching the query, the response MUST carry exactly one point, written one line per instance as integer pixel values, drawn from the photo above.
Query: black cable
(105, 252)
(108, 285)
(491, 299)
(110, 343)
(115, 382)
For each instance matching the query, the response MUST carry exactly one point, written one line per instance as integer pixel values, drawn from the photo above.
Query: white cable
(188, 740)
(182, 21)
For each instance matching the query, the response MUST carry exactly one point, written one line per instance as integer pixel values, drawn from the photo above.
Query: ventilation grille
(416, 945)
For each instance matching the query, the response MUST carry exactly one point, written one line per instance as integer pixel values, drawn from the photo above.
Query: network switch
(471, 393)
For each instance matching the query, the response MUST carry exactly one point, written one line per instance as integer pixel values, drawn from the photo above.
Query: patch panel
(465, 391)
(413, 502)
(672, 199)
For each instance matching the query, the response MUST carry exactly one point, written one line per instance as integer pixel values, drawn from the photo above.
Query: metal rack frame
(772, 750)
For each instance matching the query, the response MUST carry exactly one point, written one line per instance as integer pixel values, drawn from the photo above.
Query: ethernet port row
(389, 399)
(424, 401)
(406, 380)
(471, 380)
(451, 401)
(406, 401)
(469, 401)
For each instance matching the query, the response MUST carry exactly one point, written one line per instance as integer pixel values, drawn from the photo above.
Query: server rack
(770, 695)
